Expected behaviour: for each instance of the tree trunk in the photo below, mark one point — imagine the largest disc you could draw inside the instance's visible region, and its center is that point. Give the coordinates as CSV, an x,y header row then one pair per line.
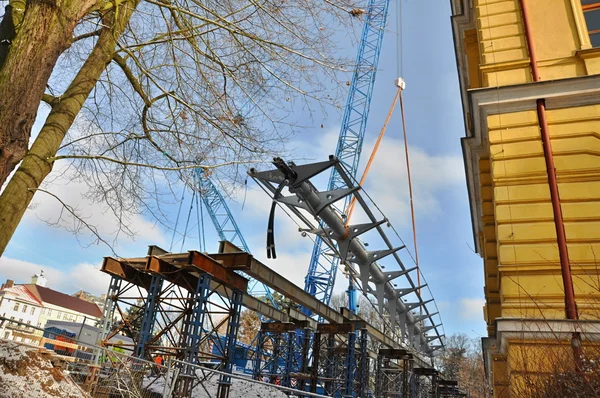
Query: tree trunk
x,y
43,35
35,166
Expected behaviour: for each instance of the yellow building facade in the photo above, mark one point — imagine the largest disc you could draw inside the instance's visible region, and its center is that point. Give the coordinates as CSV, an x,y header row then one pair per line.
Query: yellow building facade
x,y
510,61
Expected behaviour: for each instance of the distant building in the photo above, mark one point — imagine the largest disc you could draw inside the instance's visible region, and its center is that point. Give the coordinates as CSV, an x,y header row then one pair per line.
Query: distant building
x,y
35,304
87,335
89,297
17,303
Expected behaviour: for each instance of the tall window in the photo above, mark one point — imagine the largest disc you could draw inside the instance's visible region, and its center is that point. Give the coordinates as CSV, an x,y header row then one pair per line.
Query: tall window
x,y
32,310
16,307
591,12
24,308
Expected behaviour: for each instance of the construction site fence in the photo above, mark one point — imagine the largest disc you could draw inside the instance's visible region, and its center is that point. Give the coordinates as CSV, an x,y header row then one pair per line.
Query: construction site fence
x,y
104,372
121,375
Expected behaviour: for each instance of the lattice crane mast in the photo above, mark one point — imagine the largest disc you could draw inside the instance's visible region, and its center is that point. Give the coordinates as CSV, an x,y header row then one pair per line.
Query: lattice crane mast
x,y
322,270
227,228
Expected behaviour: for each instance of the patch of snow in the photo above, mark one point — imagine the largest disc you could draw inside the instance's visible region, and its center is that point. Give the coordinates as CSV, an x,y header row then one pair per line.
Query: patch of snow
x,y
208,388
25,373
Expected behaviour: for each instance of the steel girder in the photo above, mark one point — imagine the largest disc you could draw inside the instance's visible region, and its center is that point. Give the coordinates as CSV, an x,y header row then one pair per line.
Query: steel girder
x,y
320,277
413,326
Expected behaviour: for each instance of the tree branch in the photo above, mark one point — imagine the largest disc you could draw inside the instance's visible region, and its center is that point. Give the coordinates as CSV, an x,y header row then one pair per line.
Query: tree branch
x,y
71,210
151,166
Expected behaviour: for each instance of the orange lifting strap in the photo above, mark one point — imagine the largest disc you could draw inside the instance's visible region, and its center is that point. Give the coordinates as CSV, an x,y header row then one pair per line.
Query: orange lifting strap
x,y
352,204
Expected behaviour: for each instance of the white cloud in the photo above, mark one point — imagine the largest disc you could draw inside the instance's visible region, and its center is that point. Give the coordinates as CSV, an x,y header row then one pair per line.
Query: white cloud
x,y
387,182
81,276
47,209
471,309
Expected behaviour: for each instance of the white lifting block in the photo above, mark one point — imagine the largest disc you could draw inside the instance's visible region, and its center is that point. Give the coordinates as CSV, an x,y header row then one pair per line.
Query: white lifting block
x,y
400,83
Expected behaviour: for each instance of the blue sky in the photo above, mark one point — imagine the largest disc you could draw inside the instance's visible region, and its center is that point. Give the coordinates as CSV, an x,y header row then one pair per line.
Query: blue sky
x,y
435,125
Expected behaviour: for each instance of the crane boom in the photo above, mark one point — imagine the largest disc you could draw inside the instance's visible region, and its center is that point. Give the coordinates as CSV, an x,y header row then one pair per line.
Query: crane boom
x,y
322,270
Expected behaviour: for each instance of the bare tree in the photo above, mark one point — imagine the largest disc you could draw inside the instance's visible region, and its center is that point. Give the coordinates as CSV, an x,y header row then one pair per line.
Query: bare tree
x,y
462,360
141,91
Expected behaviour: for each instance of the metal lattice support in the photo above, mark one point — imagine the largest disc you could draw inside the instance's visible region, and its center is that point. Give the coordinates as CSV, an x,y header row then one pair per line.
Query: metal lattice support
x,y
149,316
336,353
304,338
230,340
350,365
191,335
282,356
320,278
426,382
394,368
199,297
108,311
363,364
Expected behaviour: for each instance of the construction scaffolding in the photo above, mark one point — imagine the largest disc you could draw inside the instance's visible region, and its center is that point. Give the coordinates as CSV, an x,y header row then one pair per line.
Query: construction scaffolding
x,y
186,307
181,306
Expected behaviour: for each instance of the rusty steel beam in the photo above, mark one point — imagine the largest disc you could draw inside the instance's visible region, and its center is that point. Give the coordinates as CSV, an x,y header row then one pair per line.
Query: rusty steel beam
x,y
335,327
278,327
125,271
218,271
241,261
138,276
275,281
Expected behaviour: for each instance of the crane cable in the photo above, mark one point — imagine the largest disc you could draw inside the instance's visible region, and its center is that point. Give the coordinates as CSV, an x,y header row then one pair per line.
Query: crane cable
x,y
410,194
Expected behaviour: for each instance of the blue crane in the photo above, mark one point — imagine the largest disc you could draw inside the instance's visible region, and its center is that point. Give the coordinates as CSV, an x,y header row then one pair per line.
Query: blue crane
x,y
322,270
227,228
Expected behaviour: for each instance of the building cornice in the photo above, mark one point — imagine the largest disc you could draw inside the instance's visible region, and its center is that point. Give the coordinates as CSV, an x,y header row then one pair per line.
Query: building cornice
x,y
463,18
482,103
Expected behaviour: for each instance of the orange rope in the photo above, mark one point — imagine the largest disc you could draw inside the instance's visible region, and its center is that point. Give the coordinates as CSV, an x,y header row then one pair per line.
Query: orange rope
x,y
350,208
410,192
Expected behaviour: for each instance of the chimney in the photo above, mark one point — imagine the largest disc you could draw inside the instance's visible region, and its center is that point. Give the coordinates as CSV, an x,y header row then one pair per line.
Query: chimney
x,y
9,283
39,280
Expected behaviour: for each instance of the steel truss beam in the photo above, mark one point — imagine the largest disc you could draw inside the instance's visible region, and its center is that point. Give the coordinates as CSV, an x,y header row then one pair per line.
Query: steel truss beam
x,y
232,257
408,325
